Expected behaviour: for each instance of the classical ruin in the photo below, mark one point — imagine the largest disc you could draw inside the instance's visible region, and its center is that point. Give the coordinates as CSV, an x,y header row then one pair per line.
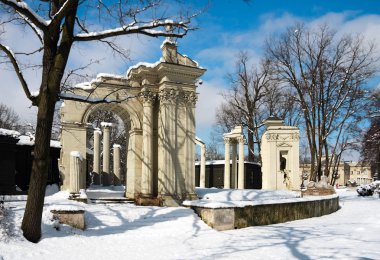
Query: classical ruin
x,y
280,156
156,103
235,178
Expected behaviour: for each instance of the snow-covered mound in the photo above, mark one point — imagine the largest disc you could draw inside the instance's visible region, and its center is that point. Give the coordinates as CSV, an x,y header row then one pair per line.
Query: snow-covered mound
x,y
368,189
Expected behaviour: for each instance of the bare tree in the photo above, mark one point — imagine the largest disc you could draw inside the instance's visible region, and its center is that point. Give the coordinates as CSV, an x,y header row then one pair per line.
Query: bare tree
x,y
255,95
8,118
328,74
243,101
58,24
371,140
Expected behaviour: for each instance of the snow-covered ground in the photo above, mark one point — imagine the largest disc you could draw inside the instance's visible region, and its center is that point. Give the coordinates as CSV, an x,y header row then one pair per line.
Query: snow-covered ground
x,y
123,231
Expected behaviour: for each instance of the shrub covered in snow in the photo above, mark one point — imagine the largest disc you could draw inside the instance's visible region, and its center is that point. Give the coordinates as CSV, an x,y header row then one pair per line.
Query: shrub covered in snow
x,y
366,190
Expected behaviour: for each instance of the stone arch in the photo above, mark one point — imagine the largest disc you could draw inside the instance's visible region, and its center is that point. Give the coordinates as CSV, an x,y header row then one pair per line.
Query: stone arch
x,y
159,102
125,111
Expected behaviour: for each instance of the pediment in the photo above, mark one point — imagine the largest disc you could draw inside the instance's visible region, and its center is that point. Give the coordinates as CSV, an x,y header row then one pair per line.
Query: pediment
x,y
284,145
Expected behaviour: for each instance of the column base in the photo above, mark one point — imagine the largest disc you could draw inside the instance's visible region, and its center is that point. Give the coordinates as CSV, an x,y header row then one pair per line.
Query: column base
x,y
172,200
147,200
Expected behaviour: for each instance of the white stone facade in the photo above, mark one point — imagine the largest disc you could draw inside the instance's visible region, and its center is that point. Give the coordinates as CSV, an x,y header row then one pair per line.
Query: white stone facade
x,y
280,156
157,105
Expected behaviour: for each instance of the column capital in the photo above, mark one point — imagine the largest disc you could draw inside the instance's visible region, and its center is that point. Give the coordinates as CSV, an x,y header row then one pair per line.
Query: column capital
x,y
148,96
227,140
168,95
241,140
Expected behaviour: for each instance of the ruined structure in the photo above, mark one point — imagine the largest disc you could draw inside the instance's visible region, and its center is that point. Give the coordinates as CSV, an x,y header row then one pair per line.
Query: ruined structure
x,y
280,156
156,102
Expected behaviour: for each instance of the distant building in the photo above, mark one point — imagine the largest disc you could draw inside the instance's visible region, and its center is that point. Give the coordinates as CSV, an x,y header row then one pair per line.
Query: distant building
x,y
348,173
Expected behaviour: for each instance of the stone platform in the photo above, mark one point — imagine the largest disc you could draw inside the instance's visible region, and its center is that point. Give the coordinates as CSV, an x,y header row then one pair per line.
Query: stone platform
x,y
229,217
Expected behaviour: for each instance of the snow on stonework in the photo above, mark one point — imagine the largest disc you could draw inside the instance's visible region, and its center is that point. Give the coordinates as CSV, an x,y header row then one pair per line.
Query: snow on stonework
x,y
145,64
106,124
230,198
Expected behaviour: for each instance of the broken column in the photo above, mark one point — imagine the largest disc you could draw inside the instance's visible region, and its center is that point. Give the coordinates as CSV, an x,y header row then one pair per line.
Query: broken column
x,y
106,178
116,165
76,172
96,167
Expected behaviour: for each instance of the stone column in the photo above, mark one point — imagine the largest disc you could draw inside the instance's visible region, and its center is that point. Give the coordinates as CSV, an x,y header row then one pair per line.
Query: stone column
x,y
116,164
147,165
202,176
75,171
96,167
234,165
106,178
227,176
241,164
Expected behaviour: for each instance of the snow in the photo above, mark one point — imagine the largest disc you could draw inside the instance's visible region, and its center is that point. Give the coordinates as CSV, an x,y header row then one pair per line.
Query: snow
x,y
29,140
123,231
145,64
25,6
230,198
6,132
76,154
35,93
106,124
167,40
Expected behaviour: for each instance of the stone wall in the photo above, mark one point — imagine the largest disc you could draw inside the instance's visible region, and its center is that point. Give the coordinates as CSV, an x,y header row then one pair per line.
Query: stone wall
x,y
266,214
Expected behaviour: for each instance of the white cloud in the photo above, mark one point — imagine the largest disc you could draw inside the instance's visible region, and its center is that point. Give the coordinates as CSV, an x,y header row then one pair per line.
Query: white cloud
x,y
209,99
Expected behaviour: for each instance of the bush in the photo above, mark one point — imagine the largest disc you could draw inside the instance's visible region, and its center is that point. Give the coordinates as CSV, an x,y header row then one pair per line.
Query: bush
x,y
366,190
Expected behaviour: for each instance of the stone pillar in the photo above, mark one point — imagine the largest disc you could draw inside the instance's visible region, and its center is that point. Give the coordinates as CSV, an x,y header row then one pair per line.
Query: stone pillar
x,y
106,178
116,165
234,165
96,167
227,176
75,171
147,165
202,176
134,163
241,164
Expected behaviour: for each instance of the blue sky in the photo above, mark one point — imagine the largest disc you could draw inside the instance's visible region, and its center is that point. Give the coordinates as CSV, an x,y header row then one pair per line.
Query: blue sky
x,y
225,28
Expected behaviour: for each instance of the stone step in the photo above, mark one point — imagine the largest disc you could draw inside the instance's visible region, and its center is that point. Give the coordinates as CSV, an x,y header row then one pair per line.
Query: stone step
x,y
96,192
107,200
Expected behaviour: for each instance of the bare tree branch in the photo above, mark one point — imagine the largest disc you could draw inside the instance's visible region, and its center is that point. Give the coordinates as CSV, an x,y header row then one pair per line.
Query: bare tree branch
x,y
23,8
146,29
16,67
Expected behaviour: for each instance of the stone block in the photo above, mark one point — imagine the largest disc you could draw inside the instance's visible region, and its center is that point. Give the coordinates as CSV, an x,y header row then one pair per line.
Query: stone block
x,y
74,218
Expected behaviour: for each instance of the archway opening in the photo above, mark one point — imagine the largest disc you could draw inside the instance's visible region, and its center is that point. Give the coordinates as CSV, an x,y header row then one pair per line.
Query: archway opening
x,y
118,122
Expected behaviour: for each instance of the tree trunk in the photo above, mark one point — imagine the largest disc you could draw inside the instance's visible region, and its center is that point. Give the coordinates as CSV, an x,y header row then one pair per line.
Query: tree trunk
x,y
31,224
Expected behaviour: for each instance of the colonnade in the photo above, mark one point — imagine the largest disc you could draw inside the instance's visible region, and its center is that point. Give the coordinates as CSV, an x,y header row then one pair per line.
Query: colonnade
x,y
234,176
104,176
